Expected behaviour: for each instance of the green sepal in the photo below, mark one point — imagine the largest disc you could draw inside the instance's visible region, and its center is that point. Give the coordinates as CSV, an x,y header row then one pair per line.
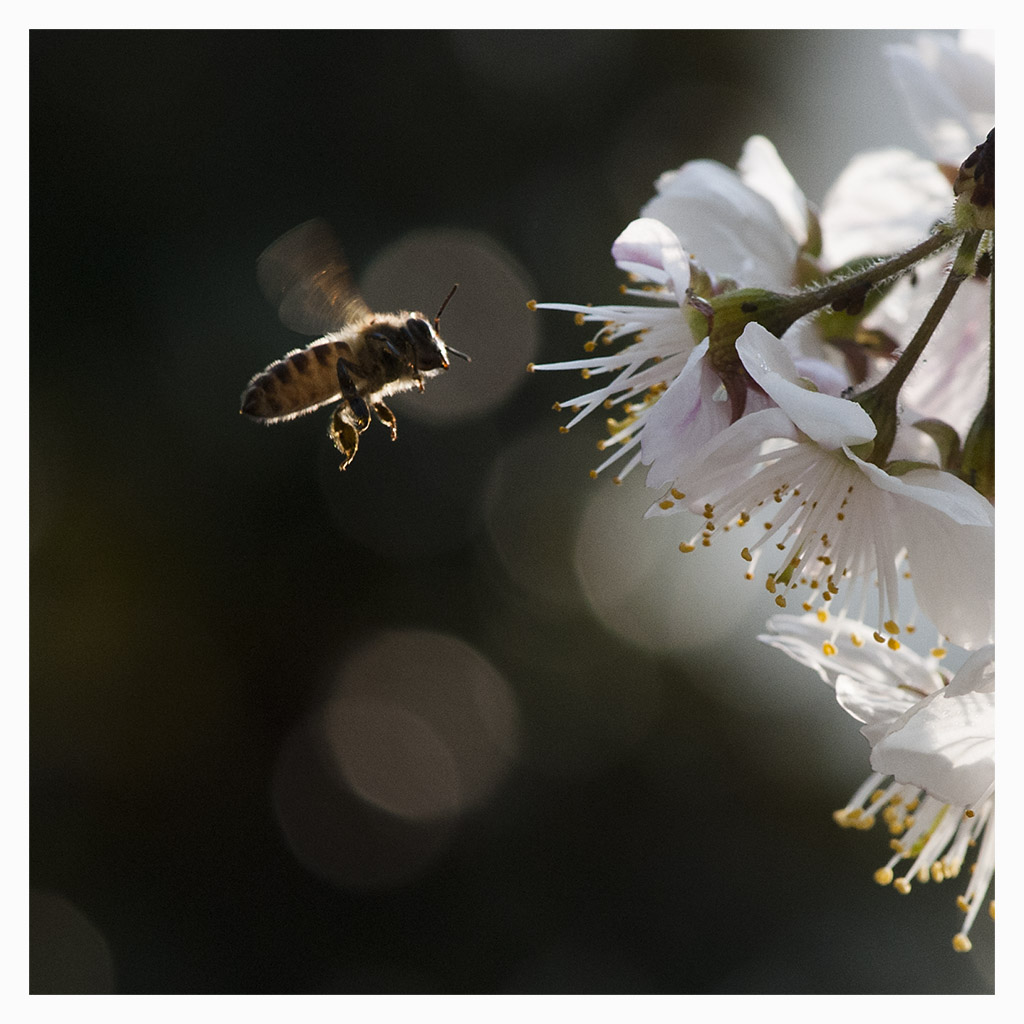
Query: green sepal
x,y
843,322
946,439
900,466
978,461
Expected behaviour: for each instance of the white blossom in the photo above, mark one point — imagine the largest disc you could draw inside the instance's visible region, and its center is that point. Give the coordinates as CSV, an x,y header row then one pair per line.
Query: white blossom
x,y
823,515
932,750
949,88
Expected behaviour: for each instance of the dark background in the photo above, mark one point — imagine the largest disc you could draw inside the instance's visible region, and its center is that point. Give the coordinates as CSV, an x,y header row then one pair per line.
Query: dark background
x,y
196,581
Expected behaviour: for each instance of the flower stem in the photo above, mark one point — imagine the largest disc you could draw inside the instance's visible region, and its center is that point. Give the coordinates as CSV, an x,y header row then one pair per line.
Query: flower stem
x,y
880,401
978,463
848,290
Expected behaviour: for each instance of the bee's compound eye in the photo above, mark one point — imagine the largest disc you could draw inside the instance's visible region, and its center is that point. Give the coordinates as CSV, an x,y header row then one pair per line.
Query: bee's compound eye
x,y
429,355
420,330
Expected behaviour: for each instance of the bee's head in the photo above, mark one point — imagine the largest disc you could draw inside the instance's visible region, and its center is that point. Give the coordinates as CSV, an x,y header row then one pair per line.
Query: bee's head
x,y
430,351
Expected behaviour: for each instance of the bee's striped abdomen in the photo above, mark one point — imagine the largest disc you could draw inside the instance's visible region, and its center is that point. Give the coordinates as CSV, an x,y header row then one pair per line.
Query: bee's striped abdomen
x,y
302,381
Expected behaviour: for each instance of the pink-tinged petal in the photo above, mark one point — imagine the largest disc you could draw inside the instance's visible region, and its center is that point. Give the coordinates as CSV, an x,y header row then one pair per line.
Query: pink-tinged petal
x,y
647,243
725,459
761,168
828,379
829,421
961,340
683,419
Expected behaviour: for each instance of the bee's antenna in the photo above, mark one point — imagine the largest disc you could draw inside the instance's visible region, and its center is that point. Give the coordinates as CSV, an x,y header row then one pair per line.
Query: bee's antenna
x,y
443,304
437,320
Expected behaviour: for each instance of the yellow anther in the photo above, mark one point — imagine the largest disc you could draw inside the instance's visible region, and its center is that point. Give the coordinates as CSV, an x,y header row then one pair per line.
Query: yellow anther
x,y
678,495
780,601
746,555
878,636
892,627
585,373
579,319
616,479
563,429
589,346
856,640
557,407
938,652
961,943
593,474
822,615
532,304
893,644
828,649
883,876
685,548
902,885
709,511
530,367
666,504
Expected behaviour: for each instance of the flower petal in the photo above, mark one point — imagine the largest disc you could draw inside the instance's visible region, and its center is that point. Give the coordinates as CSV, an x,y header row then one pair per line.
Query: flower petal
x,y
761,168
947,528
647,243
831,422
945,745
732,230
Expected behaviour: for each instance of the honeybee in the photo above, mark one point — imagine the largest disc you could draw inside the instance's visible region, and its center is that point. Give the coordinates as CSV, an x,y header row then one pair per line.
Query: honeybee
x,y
359,357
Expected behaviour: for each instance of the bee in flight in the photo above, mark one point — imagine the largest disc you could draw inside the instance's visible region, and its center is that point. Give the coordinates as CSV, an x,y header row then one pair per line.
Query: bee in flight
x,y
359,358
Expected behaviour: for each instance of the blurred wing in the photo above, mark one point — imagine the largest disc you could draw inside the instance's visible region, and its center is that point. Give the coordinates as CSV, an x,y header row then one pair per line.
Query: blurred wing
x,y
304,276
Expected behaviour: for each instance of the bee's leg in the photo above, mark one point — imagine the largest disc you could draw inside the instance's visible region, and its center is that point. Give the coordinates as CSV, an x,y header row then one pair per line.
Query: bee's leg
x,y
387,417
350,393
344,434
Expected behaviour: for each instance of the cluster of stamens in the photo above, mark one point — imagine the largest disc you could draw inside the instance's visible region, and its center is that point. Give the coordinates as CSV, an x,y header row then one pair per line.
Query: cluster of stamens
x,y
934,836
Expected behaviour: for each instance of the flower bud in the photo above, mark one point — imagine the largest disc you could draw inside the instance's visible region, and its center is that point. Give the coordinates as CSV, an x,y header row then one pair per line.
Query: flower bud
x,y
975,188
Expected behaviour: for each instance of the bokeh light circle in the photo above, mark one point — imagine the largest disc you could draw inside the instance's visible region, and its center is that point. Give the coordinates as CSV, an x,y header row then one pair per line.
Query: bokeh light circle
x,y
421,724
417,730
487,317
646,591
68,954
